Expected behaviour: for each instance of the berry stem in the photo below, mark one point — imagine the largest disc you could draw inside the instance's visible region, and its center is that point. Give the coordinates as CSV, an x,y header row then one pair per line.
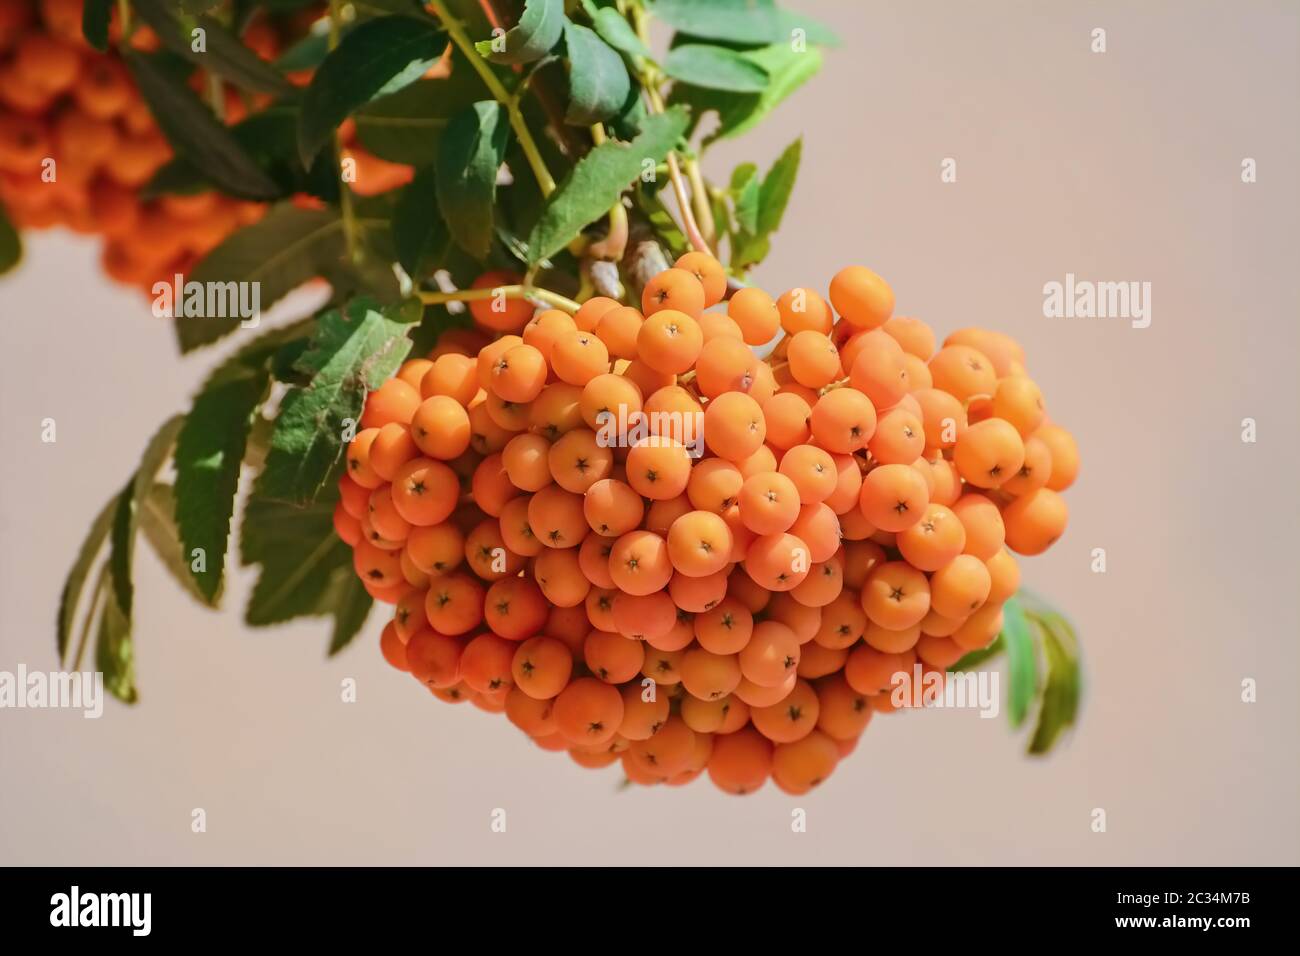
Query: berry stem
x,y
345,192
456,30
553,299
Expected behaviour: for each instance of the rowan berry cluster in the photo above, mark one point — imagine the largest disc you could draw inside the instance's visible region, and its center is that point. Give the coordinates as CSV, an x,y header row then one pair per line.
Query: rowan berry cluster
x,y
646,545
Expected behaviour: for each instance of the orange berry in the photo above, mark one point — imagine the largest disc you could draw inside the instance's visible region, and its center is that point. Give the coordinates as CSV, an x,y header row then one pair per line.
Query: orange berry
x,y
639,563
394,401
425,491
558,572
556,517
741,761
453,375
725,628
514,608
619,328
933,541
440,426
802,309
913,335
792,718
610,398
588,712
814,360
771,655
435,658
659,468
863,298
959,587
590,312
844,421
669,341
985,530
545,329
714,485
526,460
1004,576
541,666
578,460
1065,456
613,658
709,272
725,365
788,418
391,646
709,676
778,562
989,453
499,313
612,508
358,459
673,289
756,314
963,372
454,604
896,595
1034,521
893,497
699,544
698,594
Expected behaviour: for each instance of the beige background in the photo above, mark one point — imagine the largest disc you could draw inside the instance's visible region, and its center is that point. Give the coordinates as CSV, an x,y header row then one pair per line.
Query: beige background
x,y
1122,166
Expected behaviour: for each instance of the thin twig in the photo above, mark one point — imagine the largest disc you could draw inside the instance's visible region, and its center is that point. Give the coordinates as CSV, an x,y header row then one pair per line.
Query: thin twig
x,y
553,299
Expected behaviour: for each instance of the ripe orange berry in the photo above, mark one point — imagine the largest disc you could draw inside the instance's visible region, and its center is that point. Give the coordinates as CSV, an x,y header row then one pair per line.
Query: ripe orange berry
x,y
425,491
639,563
802,309
699,544
540,666
440,427
979,630
435,550
844,712
1002,349
985,530
870,672
545,329
618,328
519,374
863,298
1065,456
741,761
896,595
485,663
1019,401
788,419
893,497
844,421
756,314
989,453
669,341
514,608
394,401
963,372
778,562
960,587
771,655
612,508
876,368
358,459
556,517
578,357
613,658
1034,521
588,712
609,398
725,365
534,717
435,658
497,312
696,595
814,359
725,628
813,472
590,312
659,468
391,646
673,289
913,335
454,604
709,272
453,375
933,541
526,460
792,718
644,714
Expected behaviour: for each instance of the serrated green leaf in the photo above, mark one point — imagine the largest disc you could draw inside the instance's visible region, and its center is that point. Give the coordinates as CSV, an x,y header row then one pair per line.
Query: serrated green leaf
x,y
279,252
598,80
76,579
210,449
539,29
94,22
599,179
196,134
777,186
351,608
355,350
158,525
407,126
715,68
376,58
419,233
222,52
11,245
473,148
745,22
114,651
1022,666
301,559
126,518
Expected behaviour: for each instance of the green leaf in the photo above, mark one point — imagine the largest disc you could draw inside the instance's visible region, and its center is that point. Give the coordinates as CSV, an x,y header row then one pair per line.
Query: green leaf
x,y
114,651
738,113
1022,668
300,555
355,350
715,68
351,608
538,30
407,127
311,50
94,22
76,580
11,246
745,187
617,32
738,21
210,449
1064,682
418,230
279,252
196,134
222,52
126,517
599,179
377,57
598,80
777,186
473,148
270,138
159,528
